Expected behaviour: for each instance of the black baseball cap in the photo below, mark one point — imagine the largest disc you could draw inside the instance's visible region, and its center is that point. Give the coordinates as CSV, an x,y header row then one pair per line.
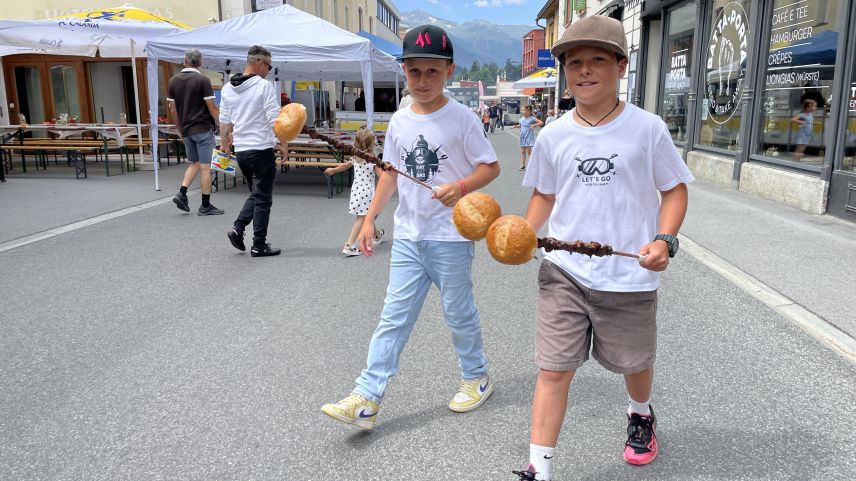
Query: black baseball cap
x,y
427,41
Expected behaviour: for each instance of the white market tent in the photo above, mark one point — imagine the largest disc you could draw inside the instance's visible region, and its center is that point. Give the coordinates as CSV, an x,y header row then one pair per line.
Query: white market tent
x,y
115,32
302,47
541,79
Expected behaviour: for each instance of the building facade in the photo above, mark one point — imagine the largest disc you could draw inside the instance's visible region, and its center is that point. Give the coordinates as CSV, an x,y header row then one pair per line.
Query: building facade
x,y
759,95
532,42
100,90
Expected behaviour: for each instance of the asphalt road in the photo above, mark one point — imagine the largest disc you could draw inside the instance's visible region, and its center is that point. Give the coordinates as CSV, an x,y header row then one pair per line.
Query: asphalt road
x,y
146,348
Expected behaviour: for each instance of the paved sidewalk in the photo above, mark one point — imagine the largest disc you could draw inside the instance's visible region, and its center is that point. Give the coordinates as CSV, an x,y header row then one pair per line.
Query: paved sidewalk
x,y
808,258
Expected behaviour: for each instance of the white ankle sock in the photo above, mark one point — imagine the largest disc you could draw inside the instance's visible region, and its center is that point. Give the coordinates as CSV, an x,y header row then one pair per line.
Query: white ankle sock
x,y
542,458
642,408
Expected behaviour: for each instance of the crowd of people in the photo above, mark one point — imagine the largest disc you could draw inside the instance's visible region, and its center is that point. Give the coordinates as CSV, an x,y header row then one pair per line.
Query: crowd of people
x,y
588,161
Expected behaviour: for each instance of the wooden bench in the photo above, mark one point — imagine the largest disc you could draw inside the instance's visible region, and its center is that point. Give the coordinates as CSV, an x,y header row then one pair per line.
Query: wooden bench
x,y
41,152
315,156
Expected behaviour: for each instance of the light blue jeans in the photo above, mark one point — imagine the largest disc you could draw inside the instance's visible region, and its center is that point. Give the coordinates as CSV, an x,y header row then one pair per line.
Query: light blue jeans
x,y
414,266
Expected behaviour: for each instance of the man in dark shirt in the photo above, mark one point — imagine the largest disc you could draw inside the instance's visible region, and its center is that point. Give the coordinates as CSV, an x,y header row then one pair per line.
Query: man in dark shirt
x,y
494,114
360,103
192,108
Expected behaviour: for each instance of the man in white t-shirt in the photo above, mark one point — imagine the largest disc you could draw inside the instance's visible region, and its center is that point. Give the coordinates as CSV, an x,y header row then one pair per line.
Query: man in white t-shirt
x,y
598,174
439,142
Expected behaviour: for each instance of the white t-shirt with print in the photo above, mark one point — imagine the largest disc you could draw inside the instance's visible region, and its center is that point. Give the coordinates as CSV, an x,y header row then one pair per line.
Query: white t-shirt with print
x,y
438,148
606,181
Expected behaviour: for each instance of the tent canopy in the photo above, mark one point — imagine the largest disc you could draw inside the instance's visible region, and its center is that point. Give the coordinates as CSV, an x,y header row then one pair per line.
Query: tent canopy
x,y
382,44
106,31
302,46
541,79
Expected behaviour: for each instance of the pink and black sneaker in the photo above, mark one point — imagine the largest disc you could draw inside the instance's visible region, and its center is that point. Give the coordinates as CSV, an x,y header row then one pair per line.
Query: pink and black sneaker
x,y
527,474
641,445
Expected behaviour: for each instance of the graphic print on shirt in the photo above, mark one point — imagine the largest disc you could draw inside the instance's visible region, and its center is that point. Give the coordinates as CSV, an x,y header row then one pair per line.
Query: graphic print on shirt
x,y
596,171
422,162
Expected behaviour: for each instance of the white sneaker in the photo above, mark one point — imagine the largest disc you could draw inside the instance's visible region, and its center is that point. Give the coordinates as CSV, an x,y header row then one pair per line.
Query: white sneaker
x,y
351,251
355,410
378,238
471,394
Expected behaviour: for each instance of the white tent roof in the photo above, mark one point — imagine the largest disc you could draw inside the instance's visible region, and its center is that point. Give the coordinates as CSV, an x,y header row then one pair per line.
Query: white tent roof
x,y
110,35
545,78
303,47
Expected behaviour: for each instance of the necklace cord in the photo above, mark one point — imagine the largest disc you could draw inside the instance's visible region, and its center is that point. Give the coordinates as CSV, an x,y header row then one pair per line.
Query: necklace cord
x,y
617,102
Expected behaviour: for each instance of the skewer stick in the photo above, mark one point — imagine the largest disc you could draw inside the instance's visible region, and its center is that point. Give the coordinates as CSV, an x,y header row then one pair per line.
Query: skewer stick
x,y
349,149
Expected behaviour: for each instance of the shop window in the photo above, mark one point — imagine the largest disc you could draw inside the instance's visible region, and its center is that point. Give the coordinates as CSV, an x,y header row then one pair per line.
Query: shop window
x,y
631,77
677,79
848,162
64,91
724,65
800,65
28,87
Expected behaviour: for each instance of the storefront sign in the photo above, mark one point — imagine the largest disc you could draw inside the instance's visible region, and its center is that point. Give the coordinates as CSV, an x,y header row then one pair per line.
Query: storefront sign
x,y
853,97
799,51
266,4
677,77
545,59
726,61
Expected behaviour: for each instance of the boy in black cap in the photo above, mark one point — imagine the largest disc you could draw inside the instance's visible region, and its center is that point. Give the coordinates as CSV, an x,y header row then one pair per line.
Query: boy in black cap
x,y
438,141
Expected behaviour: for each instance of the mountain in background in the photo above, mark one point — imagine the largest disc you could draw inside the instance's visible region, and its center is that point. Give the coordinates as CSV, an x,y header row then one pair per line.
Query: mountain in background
x,y
480,40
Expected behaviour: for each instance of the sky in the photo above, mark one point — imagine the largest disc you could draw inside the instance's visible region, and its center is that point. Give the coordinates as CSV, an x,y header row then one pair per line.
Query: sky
x,y
498,11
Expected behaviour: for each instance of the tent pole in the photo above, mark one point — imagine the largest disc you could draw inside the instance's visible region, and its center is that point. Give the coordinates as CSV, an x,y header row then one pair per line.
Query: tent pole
x,y
137,99
397,94
152,82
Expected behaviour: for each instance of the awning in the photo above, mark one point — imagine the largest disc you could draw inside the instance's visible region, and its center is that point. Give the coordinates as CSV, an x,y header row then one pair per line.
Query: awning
x,y
382,44
545,78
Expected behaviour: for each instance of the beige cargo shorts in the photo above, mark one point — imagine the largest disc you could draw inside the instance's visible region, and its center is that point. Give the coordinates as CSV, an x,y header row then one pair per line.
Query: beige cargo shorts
x,y
619,328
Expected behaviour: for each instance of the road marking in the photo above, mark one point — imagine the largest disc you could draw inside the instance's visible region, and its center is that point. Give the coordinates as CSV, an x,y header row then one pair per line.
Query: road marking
x,y
40,236
818,328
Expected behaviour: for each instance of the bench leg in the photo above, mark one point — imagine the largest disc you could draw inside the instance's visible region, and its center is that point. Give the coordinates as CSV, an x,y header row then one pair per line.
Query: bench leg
x,y
78,160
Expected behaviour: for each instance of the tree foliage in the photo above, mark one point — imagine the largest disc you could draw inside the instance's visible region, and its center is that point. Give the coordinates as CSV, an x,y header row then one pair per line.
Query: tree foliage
x,y
488,73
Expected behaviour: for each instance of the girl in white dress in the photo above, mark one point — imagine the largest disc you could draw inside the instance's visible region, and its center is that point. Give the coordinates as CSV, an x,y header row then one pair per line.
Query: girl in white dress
x,y
362,190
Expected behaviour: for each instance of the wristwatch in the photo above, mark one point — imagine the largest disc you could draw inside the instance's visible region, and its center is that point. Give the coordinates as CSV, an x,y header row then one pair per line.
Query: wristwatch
x,y
671,240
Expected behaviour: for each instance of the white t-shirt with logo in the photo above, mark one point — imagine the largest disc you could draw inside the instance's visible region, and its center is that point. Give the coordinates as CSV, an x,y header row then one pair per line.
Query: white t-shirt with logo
x,y
438,148
606,181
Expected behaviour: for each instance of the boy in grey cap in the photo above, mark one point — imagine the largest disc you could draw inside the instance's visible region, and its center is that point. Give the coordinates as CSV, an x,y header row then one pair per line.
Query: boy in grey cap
x,y
598,174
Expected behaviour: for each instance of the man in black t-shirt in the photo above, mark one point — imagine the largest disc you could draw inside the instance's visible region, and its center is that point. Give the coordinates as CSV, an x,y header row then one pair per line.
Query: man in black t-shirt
x,y
192,108
493,112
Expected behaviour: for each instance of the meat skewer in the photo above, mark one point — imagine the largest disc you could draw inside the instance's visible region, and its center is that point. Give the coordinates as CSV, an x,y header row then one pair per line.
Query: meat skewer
x,y
349,149
580,247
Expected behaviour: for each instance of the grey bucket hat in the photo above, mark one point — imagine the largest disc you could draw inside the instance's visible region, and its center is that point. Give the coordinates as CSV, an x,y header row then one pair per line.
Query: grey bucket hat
x,y
595,31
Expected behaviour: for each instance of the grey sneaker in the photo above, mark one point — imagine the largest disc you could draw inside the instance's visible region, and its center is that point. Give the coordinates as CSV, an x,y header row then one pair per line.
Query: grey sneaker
x,y
181,201
210,210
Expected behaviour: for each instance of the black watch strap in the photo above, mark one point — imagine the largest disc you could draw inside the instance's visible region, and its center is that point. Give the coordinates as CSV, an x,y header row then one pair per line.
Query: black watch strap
x,y
671,240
